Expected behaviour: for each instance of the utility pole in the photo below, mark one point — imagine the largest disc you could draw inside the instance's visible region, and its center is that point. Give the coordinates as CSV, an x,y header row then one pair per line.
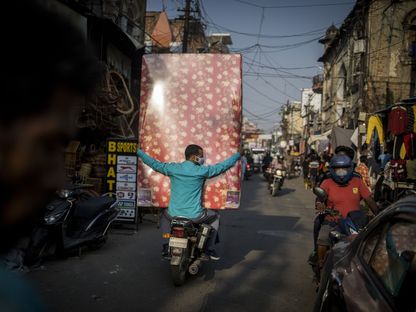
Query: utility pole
x,y
186,27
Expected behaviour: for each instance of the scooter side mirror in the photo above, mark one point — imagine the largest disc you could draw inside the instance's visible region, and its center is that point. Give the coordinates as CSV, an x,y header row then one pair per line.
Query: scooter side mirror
x,y
336,236
320,193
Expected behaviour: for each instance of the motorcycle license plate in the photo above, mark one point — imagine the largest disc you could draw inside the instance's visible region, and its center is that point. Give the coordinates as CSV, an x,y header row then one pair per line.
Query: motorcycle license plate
x,y
178,242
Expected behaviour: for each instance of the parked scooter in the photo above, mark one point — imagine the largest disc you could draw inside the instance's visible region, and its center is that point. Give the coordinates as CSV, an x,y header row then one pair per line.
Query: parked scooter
x,y
187,246
75,219
278,177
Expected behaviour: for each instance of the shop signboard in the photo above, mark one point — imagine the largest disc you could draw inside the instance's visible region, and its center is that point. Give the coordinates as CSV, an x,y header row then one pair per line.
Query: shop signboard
x,y
122,176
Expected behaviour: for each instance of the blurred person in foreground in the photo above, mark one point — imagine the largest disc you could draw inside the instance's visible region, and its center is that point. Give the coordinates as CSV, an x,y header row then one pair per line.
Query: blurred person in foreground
x,y
47,71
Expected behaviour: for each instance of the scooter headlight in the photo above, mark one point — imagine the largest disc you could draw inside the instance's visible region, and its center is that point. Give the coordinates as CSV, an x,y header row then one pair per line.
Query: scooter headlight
x,y
278,172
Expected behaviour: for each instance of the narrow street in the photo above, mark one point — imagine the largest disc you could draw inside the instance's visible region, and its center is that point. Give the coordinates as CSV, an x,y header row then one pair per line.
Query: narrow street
x,y
264,248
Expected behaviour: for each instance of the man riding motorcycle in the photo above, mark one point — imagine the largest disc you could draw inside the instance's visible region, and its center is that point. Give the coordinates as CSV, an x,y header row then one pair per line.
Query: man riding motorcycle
x,y
187,180
345,190
267,160
339,151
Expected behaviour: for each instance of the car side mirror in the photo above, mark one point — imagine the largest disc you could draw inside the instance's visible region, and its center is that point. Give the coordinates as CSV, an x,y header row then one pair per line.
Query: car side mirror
x,y
320,193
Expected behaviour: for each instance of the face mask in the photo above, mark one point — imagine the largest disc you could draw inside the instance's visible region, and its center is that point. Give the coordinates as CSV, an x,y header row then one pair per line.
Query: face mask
x,y
341,172
200,160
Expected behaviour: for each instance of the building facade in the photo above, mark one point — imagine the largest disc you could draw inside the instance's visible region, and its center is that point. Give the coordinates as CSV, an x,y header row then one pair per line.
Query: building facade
x,y
369,61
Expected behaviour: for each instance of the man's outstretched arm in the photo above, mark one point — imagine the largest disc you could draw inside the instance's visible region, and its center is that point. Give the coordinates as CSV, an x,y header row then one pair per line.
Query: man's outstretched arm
x,y
158,166
212,171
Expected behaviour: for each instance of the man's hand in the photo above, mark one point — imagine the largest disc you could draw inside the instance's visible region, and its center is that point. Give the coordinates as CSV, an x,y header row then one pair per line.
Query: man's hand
x,y
320,206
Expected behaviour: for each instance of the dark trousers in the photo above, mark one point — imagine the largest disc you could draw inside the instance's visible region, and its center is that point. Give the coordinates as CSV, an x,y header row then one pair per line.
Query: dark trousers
x,y
319,219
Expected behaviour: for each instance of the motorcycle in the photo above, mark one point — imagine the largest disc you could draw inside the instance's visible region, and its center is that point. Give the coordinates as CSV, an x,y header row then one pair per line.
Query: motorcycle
x,y
256,167
313,173
267,173
75,219
278,178
298,170
346,229
249,172
387,191
187,246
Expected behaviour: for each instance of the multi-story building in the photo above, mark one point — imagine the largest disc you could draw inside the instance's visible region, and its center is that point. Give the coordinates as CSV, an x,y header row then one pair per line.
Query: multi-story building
x,y
310,111
369,61
166,36
115,31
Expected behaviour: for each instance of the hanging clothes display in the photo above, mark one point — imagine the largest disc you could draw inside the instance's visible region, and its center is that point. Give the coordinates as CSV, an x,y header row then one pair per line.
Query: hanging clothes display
x,y
375,123
394,130
397,123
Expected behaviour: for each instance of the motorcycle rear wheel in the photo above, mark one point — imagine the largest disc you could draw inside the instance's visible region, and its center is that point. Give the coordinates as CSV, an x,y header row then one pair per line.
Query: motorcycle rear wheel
x,y
178,274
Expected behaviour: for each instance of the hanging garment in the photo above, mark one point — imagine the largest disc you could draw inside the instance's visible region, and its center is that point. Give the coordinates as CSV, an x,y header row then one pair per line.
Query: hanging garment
x,y
398,120
414,115
375,123
410,119
399,149
399,170
409,143
375,145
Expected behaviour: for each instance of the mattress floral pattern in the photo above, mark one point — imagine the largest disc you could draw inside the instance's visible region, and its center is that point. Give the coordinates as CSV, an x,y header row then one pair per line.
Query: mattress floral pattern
x,y
191,99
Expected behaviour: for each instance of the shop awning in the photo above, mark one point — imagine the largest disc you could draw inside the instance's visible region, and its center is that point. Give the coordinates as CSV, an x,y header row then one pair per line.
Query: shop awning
x,y
319,137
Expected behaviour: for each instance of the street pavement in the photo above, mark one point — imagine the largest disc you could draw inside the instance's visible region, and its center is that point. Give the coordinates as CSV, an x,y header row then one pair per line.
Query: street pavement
x,y
264,249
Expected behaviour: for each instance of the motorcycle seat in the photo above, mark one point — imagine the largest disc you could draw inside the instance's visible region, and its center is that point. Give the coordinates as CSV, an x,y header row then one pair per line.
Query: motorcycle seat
x,y
208,219
92,207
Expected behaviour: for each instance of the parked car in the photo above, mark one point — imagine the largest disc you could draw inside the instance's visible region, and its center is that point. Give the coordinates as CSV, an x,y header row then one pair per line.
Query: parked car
x,y
377,270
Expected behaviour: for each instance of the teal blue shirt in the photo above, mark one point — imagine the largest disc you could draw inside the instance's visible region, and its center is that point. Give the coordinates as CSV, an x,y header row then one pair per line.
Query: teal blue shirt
x,y
186,182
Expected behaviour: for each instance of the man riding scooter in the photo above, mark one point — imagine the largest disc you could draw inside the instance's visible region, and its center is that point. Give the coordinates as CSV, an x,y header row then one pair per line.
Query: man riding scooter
x,y
345,190
187,180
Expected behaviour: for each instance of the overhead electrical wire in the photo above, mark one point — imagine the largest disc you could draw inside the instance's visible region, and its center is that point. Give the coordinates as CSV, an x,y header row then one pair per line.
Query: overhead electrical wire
x,y
262,94
256,116
277,48
294,5
263,36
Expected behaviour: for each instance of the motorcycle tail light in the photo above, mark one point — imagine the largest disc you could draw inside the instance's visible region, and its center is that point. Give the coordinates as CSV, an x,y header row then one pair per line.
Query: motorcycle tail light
x,y
248,166
178,232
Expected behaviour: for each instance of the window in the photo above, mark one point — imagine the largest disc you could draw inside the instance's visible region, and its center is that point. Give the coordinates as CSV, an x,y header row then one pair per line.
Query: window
x,y
391,255
342,83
